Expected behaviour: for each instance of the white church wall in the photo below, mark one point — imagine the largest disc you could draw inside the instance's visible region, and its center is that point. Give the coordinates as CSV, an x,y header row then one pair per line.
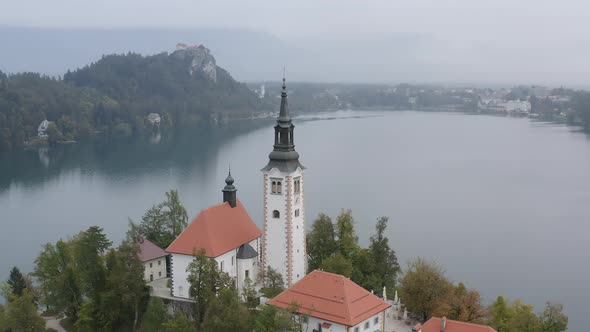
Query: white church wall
x,y
231,266
179,263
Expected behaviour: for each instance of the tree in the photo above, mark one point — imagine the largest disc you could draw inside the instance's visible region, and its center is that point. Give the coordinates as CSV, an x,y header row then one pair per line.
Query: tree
x,y
162,223
226,314
383,257
155,315
17,282
3,319
500,314
53,133
321,242
90,245
272,282
272,319
249,294
55,271
125,293
425,289
465,305
21,314
205,282
180,323
347,239
523,318
553,319
337,264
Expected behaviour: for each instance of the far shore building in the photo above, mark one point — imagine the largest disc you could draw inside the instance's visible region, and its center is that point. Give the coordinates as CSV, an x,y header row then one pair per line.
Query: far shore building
x,y
329,302
226,233
42,129
436,324
153,259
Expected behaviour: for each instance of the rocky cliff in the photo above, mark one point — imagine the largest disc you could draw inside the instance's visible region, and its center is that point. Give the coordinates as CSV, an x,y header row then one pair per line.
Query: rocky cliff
x,y
200,58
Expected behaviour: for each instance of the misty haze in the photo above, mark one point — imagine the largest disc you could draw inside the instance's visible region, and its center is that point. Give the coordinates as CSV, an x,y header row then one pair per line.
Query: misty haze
x,y
408,166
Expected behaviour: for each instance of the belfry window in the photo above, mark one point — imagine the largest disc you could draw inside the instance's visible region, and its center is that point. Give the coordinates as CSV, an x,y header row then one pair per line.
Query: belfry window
x,y
276,214
276,187
297,185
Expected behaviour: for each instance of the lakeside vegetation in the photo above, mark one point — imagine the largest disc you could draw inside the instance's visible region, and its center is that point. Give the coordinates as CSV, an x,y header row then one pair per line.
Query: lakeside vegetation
x,y
95,286
114,95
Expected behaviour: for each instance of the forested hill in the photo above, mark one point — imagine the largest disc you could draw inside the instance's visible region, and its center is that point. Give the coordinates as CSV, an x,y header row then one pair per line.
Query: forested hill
x,y
114,95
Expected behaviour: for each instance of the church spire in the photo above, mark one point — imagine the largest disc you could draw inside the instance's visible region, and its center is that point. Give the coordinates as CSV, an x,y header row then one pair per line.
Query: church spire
x,y
284,111
230,191
283,156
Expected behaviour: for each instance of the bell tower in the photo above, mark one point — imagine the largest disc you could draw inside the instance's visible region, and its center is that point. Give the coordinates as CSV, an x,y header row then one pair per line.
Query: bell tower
x,y
283,238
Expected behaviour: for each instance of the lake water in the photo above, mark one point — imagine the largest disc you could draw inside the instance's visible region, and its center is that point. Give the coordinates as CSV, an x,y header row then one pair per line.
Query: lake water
x,y
502,203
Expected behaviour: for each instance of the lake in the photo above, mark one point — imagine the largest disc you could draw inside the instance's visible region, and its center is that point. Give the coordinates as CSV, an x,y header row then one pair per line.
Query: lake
x,y
502,203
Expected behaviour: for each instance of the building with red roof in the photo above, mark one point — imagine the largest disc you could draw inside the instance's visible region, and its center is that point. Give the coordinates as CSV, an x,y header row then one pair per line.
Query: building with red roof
x,y
330,302
436,324
224,232
153,259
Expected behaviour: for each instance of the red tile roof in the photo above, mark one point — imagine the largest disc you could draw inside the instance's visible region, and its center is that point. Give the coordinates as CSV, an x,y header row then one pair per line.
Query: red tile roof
x,y
148,251
331,297
433,325
217,229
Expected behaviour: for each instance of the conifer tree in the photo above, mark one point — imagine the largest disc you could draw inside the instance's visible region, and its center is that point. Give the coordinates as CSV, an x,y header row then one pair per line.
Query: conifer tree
x,y
17,282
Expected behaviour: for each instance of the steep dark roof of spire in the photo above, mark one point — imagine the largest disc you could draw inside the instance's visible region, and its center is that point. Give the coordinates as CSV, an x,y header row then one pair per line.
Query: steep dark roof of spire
x,y
284,112
284,157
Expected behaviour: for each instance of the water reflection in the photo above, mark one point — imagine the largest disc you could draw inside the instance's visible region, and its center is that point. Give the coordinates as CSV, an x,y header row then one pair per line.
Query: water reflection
x,y
175,149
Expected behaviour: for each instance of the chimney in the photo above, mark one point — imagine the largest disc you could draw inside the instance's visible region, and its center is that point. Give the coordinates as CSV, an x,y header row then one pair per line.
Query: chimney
x,y
229,191
443,324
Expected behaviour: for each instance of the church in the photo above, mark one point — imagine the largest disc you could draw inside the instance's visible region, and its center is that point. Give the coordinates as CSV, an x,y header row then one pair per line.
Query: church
x,y
227,234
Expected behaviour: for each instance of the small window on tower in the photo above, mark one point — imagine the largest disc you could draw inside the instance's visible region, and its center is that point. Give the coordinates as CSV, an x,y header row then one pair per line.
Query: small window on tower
x,y
297,213
279,189
276,214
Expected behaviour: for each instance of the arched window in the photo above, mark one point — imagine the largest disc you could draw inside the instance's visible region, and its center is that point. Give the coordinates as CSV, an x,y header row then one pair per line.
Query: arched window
x,y
276,214
276,187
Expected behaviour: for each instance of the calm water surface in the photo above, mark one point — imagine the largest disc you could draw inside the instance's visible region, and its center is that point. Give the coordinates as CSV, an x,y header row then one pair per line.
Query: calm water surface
x,y
501,203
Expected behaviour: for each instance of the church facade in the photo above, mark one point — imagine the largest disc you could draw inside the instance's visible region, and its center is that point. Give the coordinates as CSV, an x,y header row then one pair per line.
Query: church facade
x,y
223,232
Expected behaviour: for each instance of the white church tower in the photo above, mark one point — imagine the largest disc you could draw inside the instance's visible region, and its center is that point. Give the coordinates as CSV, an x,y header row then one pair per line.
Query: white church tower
x,y
283,238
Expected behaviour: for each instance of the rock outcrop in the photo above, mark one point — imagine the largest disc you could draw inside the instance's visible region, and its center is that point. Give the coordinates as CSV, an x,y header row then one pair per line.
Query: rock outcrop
x,y
201,60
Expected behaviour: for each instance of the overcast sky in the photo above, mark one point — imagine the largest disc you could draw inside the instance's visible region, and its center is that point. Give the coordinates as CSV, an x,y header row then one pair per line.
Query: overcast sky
x,y
524,41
